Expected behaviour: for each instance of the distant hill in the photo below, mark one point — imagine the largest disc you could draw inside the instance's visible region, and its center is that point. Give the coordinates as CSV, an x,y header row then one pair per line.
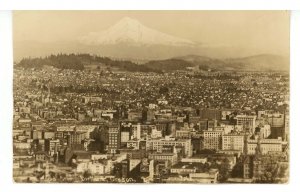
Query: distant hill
x,y
264,62
205,63
86,61
83,61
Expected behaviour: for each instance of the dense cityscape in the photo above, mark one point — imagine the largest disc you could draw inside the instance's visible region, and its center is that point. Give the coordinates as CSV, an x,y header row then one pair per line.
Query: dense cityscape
x,y
100,125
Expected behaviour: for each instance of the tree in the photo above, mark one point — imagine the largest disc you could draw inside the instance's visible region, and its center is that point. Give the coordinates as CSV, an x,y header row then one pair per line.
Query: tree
x,y
282,171
52,174
39,175
100,138
224,170
87,177
163,90
237,170
28,180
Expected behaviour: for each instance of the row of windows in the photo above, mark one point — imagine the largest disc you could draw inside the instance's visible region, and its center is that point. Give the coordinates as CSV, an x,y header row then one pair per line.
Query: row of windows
x,y
217,134
162,157
167,143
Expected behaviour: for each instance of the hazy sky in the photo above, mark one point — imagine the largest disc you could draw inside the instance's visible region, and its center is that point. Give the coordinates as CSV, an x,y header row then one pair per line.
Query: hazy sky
x,y
266,31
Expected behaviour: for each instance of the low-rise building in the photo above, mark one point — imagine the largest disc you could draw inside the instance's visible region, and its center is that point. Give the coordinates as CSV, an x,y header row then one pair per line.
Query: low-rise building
x,y
171,158
158,144
267,145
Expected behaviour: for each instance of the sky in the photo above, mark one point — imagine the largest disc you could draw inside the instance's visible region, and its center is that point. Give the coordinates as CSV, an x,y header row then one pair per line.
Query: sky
x,y
265,31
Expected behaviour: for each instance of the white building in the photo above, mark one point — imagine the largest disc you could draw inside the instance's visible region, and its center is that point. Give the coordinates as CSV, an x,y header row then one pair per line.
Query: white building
x,y
95,168
267,145
169,157
133,144
125,136
157,144
155,133
208,177
194,160
233,142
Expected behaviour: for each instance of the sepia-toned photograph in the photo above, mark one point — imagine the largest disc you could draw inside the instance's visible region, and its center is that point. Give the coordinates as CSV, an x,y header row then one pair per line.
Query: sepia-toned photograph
x,y
196,97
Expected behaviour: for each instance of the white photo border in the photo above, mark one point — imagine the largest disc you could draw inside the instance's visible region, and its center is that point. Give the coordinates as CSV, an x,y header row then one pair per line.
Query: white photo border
x,y
6,110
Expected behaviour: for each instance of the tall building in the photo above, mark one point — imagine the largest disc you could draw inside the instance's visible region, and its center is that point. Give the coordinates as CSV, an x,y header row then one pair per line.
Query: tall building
x,y
247,122
77,137
212,139
207,113
136,131
114,138
205,124
276,119
52,146
233,142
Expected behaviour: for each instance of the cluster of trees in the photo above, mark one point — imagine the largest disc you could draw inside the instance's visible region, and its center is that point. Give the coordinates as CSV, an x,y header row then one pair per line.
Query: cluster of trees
x,y
224,169
125,65
169,65
61,61
57,177
78,61
100,136
273,173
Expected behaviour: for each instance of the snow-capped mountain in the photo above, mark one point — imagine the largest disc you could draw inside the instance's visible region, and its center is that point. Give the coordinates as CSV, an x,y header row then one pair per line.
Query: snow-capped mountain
x,y
129,39
131,31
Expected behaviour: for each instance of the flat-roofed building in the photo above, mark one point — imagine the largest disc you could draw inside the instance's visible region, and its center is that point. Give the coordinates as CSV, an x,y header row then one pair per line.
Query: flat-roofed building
x,y
158,144
266,145
246,121
233,142
114,139
212,139
171,158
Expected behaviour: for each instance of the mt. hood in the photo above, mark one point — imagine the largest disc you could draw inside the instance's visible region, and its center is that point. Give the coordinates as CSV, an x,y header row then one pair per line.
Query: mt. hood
x,y
131,31
130,40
